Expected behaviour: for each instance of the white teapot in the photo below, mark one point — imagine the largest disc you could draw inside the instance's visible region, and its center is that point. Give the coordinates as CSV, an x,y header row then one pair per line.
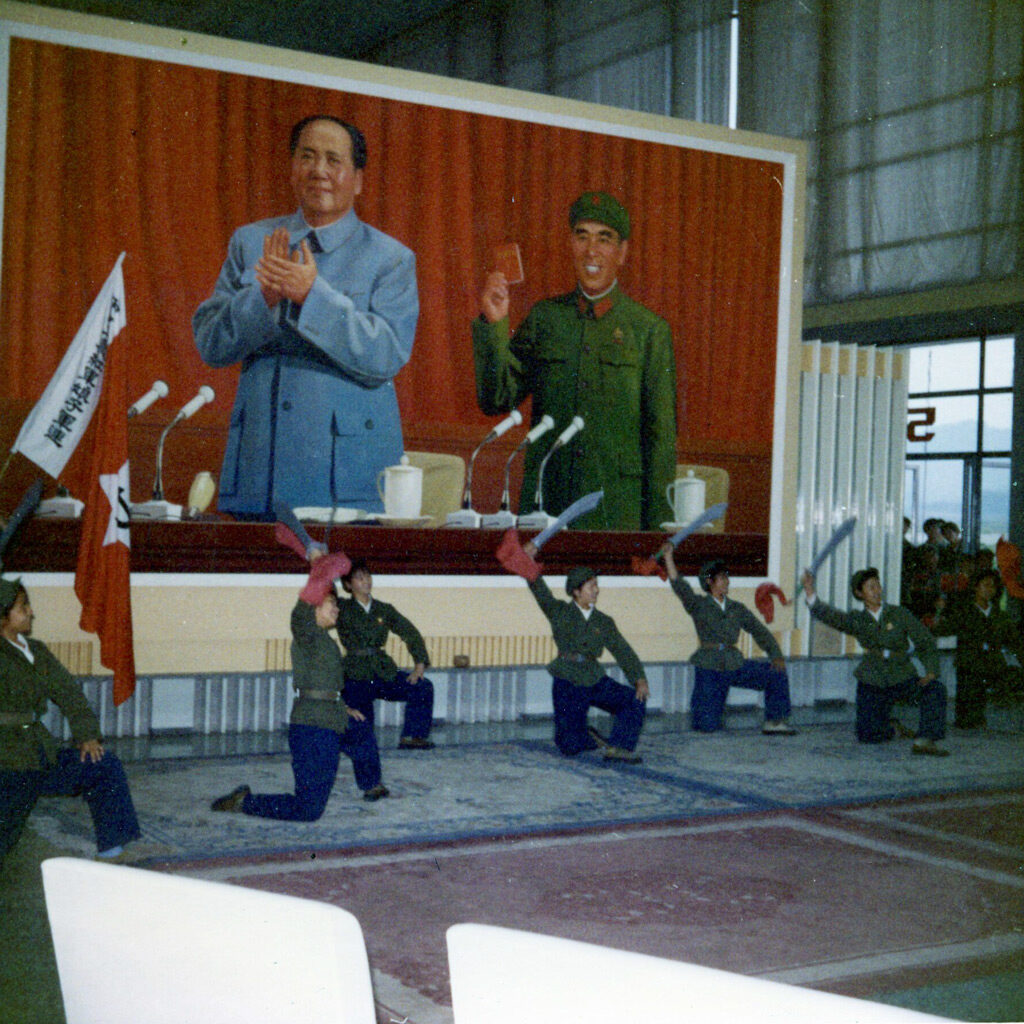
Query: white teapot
x,y
685,495
402,492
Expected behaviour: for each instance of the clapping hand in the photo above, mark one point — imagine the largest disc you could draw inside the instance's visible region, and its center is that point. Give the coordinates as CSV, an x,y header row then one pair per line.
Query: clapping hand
x,y
284,275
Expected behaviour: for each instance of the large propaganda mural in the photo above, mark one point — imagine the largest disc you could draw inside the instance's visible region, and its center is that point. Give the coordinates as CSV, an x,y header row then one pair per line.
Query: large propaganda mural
x,y
130,148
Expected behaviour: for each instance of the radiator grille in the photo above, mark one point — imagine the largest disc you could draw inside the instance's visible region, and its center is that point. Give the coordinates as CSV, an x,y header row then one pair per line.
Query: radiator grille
x,y
482,651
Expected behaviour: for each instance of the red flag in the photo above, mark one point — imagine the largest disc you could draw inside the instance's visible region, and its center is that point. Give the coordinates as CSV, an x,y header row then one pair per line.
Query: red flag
x,y
102,575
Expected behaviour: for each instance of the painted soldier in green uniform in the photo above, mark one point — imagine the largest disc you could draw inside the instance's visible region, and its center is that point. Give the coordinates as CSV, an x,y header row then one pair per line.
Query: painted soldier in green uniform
x,y
596,353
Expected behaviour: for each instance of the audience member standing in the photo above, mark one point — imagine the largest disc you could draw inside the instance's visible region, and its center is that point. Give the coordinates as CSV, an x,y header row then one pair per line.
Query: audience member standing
x,y
987,644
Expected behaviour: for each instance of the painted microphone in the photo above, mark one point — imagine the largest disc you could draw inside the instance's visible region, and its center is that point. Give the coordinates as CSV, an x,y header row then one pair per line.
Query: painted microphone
x,y
157,391
466,516
539,519
504,518
513,419
205,396
189,409
575,426
546,423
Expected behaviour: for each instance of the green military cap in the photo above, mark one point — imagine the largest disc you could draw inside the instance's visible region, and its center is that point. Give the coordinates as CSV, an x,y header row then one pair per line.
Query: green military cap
x,y
576,577
603,208
9,594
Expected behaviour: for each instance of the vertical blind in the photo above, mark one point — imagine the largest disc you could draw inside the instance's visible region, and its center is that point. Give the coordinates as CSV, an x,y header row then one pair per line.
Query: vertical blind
x,y
853,407
911,109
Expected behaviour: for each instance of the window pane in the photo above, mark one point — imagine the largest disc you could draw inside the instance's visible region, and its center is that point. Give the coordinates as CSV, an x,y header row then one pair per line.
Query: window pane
x,y
953,366
999,362
942,425
995,501
937,492
996,423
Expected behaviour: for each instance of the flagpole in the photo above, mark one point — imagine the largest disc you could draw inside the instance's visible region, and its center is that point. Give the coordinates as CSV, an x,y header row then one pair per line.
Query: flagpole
x,y
7,462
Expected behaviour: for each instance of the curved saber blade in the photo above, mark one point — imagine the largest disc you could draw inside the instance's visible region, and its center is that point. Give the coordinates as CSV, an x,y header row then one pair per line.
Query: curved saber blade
x,y
840,534
25,508
574,511
707,516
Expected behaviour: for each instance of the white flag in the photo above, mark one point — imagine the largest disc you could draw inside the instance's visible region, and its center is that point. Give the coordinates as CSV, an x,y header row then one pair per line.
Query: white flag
x,y
54,427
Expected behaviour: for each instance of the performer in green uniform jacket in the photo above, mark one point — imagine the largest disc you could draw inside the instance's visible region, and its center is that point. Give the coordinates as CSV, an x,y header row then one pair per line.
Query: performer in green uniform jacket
x,y
598,354
718,663
889,634
987,644
364,624
579,682
322,725
32,762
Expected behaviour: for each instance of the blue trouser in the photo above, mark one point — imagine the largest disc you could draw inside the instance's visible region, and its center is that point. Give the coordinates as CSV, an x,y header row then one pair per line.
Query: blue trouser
x,y
419,700
572,702
875,704
711,688
316,753
102,783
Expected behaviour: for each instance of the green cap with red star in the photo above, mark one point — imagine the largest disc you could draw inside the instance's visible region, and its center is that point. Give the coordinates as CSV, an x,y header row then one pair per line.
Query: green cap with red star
x,y
604,209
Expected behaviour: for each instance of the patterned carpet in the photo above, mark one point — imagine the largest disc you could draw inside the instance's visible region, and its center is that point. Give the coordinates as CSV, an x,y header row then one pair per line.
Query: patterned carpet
x,y
811,859
523,787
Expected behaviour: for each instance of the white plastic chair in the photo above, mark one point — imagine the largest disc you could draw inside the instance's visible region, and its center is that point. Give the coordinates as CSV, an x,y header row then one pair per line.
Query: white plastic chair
x,y
503,976
138,947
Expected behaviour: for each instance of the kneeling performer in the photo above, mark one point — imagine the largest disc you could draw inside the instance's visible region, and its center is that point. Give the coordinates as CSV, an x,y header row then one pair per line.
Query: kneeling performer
x,y
322,727
364,624
717,661
581,634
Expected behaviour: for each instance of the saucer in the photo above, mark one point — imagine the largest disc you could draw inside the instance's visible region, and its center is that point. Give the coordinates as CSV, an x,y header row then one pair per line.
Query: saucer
x,y
322,514
387,520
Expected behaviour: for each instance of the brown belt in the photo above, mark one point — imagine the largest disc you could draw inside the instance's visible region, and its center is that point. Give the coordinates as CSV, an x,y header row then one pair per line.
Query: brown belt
x,y
331,695
717,647
362,651
17,718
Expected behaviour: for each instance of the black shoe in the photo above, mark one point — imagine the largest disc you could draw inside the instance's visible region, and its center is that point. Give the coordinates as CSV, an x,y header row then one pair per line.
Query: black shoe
x,y
778,729
930,747
599,741
414,743
623,756
378,791
233,801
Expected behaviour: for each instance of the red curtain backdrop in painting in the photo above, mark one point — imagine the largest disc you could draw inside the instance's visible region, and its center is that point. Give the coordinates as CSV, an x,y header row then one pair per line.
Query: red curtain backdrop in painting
x,y
108,153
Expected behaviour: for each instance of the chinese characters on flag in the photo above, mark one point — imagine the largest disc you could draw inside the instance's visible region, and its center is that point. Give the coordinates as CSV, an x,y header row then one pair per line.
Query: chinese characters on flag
x,y
90,387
